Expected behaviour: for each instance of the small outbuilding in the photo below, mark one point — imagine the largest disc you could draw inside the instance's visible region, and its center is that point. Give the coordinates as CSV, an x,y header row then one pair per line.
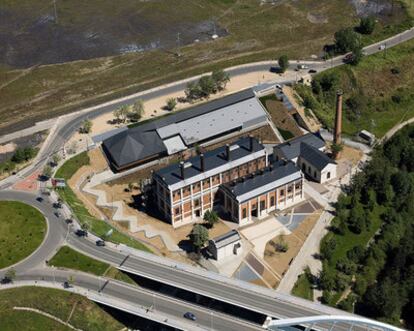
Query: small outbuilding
x,y
225,245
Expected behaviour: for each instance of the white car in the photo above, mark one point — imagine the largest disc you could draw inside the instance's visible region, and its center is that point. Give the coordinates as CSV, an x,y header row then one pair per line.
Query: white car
x,y
382,47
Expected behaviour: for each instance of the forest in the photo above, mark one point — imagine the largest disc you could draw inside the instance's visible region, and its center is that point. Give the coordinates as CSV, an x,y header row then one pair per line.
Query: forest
x,y
368,255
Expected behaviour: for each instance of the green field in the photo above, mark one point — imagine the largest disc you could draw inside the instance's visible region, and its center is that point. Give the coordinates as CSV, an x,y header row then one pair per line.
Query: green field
x,y
255,32
377,92
68,258
22,229
98,227
303,288
86,315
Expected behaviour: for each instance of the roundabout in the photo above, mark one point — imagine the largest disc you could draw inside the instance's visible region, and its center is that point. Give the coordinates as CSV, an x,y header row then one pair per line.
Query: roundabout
x,y
23,228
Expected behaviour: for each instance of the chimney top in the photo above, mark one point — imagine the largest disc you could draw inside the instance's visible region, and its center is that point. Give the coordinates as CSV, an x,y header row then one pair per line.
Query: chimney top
x,y
339,92
202,163
228,154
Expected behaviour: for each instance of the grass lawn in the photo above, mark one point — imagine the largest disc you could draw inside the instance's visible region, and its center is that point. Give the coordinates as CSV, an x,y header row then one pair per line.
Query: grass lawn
x,y
382,87
86,315
68,169
68,258
98,227
255,32
22,229
303,288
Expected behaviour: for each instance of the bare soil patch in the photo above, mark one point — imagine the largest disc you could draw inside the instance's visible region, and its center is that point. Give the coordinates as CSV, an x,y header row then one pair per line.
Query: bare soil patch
x,y
280,261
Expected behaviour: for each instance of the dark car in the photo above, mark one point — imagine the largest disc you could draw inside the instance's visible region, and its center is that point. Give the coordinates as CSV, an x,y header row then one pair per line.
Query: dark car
x,y
66,285
190,316
39,199
6,280
348,58
57,214
81,233
312,71
57,205
69,221
100,243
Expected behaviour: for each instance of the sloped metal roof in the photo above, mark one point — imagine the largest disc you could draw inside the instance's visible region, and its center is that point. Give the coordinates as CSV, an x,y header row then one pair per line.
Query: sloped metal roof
x,y
314,156
263,181
291,148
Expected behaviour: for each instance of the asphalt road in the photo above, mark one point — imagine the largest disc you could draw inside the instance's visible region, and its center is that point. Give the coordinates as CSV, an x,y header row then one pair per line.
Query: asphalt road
x,y
118,293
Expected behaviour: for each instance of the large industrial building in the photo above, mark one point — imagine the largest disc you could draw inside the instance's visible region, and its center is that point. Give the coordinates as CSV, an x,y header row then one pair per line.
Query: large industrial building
x,y
236,113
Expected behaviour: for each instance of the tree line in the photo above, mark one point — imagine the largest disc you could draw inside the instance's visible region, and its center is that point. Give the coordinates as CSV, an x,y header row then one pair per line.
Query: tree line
x,y
379,270
21,155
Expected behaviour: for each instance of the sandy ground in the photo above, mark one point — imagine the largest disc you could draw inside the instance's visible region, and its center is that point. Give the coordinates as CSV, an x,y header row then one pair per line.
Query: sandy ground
x,y
97,164
154,107
7,148
121,192
280,261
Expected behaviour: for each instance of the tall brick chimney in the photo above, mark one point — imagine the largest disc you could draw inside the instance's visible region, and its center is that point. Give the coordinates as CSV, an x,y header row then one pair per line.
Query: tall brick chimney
x,y
338,118
251,142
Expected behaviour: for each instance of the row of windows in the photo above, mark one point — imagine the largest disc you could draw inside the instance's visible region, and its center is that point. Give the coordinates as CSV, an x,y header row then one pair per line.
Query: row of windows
x,y
227,176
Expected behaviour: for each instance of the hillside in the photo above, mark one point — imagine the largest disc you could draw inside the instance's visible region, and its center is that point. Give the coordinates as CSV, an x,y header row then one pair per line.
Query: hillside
x,y
109,38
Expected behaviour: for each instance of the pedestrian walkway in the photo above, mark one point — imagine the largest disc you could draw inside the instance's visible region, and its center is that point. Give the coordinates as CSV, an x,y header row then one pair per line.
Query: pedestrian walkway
x,y
28,184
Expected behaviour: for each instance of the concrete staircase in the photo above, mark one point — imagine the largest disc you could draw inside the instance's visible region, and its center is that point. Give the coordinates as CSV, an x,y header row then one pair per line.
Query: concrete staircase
x,y
149,231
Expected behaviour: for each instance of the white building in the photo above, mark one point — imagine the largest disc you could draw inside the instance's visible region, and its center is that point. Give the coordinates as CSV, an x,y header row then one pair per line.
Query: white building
x,y
308,152
226,245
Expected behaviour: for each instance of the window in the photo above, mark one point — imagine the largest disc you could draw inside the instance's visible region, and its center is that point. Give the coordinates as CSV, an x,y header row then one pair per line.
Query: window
x,y
262,205
290,189
309,170
176,211
314,174
272,201
197,203
282,193
244,213
328,175
303,167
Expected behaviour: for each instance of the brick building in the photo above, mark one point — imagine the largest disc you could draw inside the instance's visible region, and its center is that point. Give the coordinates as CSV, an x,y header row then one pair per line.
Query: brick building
x,y
186,190
278,186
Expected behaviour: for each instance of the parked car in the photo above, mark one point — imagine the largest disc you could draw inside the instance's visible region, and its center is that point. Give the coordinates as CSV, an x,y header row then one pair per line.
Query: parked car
x,y
278,86
81,233
57,214
381,47
190,316
68,221
57,205
39,199
303,66
348,58
100,243
312,71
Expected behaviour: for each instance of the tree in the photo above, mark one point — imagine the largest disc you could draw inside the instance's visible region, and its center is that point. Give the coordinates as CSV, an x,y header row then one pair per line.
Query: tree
x,y
347,40
367,25
23,154
220,78
10,274
137,111
117,115
207,86
86,126
211,217
171,104
123,113
357,56
281,245
56,159
283,62
198,237
193,91
47,171
336,149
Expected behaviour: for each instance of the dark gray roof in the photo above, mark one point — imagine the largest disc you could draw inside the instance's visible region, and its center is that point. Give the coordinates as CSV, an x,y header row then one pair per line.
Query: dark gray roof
x,y
291,148
172,174
314,156
276,171
128,147
142,141
226,239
